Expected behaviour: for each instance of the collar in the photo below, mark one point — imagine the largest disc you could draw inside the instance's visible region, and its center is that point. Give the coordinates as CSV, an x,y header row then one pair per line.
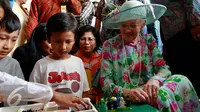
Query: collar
x,y
80,54
133,43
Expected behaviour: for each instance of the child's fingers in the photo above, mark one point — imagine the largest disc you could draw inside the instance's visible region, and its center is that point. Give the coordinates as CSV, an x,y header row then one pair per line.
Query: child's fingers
x,y
81,101
74,105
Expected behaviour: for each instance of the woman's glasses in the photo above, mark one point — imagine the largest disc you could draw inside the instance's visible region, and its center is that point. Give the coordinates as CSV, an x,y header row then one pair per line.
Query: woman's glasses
x,y
87,39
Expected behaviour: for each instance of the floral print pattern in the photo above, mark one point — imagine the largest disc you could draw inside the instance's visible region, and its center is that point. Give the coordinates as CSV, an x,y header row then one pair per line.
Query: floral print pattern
x,y
173,106
124,61
189,106
178,95
124,66
172,86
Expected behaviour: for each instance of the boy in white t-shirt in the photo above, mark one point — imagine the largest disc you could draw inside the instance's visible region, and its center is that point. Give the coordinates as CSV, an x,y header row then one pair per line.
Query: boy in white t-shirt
x,y
60,70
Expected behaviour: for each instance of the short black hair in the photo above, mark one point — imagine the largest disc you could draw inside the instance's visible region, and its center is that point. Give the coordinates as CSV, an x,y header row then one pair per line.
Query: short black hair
x,y
61,22
87,28
10,21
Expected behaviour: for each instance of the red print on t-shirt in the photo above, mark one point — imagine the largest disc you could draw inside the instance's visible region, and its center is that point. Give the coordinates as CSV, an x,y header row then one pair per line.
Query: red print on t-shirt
x,y
75,86
55,77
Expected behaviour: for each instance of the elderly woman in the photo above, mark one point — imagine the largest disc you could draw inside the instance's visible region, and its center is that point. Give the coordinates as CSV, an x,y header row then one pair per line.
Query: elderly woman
x,y
132,65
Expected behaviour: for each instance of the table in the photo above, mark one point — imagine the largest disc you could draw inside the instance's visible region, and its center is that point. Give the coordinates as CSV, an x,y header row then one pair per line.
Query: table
x,y
49,107
136,108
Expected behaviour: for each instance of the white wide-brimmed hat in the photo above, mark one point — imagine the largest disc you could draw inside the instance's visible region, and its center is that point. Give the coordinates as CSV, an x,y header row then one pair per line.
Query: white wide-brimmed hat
x,y
132,10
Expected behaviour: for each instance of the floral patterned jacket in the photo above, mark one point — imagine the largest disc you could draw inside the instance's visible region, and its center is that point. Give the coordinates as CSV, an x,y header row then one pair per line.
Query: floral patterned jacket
x,y
122,65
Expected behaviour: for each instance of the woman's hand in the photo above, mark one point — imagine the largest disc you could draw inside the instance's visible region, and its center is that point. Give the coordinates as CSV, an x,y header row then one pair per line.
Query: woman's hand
x,y
151,88
137,95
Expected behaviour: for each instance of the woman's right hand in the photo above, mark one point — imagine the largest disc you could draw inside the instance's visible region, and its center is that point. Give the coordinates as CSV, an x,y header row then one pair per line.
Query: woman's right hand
x,y
136,95
151,88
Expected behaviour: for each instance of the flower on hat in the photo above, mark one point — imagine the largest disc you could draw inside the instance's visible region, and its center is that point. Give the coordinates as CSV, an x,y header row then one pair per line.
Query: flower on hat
x,y
114,9
117,13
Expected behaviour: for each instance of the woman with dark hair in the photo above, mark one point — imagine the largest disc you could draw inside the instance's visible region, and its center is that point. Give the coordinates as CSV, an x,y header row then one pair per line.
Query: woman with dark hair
x,y
88,43
4,9
36,48
86,29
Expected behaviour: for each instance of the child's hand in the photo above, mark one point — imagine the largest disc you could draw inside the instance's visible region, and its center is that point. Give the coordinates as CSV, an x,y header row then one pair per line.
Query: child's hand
x,y
68,100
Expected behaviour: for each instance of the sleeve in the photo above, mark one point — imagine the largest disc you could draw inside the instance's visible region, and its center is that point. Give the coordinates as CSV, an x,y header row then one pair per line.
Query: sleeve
x,y
107,74
18,70
85,81
36,74
32,19
192,12
26,91
160,68
75,6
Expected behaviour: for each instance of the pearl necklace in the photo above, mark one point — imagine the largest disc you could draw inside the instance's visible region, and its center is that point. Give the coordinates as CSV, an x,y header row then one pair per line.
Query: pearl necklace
x,y
126,62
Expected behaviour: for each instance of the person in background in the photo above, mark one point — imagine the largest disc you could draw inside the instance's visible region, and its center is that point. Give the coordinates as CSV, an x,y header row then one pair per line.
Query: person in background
x,y
4,5
88,43
35,92
95,3
22,14
180,27
102,12
42,10
36,48
133,67
60,70
154,29
86,16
